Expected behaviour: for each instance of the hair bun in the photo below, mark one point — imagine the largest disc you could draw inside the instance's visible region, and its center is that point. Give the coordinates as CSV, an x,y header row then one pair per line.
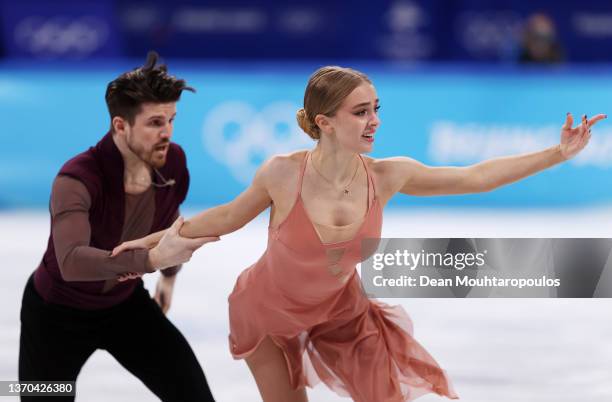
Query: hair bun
x,y
306,125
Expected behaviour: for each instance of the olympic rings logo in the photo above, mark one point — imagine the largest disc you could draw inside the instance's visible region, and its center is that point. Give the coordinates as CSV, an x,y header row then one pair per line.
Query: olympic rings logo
x,y
239,136
488,33
61,36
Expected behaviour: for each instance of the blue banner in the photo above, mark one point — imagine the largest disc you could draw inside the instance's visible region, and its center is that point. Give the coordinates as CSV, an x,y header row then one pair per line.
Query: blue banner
x,y
243,114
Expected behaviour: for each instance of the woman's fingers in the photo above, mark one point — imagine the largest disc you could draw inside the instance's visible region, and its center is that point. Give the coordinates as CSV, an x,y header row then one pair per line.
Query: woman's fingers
x,y
128,275
119,249
569,122
125,246
585,122
596,118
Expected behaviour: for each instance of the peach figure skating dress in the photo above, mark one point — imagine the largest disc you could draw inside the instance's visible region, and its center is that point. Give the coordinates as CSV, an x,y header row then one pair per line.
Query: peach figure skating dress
x,y
307,297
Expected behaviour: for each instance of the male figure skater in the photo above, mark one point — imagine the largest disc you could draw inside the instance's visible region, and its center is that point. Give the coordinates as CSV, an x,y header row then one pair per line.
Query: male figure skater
x,y
128,185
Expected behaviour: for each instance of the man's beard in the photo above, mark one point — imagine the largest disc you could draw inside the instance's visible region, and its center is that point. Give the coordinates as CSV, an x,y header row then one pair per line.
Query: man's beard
x,y
148,156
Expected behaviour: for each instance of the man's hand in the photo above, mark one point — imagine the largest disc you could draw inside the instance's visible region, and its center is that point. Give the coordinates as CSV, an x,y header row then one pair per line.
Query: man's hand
x,y
173,249
163,292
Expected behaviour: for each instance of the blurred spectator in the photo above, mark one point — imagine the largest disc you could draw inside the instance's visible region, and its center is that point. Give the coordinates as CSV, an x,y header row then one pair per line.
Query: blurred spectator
x,y
539,41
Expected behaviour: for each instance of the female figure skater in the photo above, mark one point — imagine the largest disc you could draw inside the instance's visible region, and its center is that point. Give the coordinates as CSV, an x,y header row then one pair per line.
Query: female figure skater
x,y
298,315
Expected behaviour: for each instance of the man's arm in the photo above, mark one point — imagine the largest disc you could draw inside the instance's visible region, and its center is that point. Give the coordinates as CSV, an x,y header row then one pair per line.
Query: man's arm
x,y
78,261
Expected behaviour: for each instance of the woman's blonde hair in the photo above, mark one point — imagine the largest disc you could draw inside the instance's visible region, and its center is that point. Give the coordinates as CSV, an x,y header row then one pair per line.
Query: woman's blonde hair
x,y
326,90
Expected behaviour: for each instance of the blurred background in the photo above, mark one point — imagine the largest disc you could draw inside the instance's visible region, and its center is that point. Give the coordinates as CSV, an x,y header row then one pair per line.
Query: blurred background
x,y
459,81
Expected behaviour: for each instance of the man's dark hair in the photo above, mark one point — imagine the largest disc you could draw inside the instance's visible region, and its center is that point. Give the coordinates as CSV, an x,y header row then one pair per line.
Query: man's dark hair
x,y
150,83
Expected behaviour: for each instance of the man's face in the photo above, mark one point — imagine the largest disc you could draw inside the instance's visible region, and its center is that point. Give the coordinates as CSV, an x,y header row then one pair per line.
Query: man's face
x,y
149,136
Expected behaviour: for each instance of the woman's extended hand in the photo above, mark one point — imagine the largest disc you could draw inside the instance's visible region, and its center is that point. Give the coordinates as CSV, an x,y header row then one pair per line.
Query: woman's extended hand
x,y
129,275
573,140
131,245
173,249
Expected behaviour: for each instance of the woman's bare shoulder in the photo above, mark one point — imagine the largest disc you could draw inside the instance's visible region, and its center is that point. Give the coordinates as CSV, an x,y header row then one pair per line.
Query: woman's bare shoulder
x,y
283,166
390,173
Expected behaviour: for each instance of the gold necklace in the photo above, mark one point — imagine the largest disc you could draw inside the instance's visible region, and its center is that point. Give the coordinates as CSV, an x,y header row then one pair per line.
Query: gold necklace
x,y
346,190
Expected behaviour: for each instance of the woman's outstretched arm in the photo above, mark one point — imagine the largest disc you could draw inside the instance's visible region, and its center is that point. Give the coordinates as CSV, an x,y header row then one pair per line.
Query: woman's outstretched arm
x,y
230,217
408,176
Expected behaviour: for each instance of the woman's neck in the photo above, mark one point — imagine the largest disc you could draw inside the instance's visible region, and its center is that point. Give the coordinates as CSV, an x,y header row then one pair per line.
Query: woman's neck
x,y
335,164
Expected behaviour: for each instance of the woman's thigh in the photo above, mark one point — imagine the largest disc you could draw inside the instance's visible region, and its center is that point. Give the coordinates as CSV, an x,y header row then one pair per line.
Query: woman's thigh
x,y
271,374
